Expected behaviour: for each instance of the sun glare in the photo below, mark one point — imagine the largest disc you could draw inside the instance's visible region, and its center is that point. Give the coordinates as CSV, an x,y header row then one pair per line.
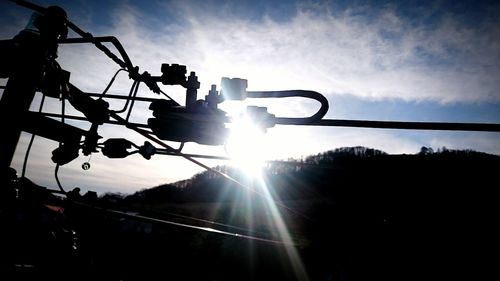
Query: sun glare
x,y
246,146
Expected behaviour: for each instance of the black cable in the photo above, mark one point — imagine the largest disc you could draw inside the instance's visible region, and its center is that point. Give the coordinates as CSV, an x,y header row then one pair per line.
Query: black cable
x,y
176,103
63,109
130,94
56,174
295,93
133,101
181,147
97,41
401,125
28,150
111,82
56,171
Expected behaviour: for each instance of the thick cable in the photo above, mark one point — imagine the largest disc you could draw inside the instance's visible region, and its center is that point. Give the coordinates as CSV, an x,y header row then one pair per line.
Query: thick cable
x,y
295,93
56,175
97,41
442,126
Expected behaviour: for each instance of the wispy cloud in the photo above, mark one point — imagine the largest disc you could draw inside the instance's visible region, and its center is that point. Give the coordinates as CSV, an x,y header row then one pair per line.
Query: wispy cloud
x,y
380,57
346,52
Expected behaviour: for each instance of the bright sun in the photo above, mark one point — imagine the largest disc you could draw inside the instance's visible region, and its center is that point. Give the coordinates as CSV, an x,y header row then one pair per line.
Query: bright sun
x,y
246,146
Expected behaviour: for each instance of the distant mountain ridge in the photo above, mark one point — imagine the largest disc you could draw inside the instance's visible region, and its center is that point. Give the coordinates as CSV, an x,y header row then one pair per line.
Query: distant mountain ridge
x,y
363,213
311,171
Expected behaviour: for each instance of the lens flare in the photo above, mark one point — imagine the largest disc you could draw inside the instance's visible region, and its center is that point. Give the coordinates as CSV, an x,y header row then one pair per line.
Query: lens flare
x,y
246,146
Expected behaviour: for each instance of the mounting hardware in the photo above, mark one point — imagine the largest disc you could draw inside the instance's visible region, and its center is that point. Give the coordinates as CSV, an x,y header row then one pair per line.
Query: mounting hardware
x,y
234,88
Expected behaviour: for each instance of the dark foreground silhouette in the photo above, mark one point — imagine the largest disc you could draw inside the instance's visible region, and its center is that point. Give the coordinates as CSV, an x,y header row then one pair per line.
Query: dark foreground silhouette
x,y
371,216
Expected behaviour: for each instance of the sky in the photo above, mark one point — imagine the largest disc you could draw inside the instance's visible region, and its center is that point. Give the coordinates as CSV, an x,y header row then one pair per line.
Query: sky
x,y
373,60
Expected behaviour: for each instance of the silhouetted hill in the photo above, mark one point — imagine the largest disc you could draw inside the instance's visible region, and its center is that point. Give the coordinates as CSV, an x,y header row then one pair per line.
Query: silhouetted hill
x,y
321,175
352,213
361,214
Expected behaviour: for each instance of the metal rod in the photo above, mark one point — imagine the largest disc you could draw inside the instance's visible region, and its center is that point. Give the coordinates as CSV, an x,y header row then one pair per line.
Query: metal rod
x,y
80,118
175,153
97,41
397,125
120,97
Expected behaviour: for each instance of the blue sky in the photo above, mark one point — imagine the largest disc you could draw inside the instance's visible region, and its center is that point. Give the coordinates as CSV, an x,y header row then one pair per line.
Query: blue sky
x,y
378,60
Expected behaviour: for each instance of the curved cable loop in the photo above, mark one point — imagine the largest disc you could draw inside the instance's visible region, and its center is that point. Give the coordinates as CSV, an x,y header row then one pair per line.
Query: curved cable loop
x,y
295,93
133,89
111,82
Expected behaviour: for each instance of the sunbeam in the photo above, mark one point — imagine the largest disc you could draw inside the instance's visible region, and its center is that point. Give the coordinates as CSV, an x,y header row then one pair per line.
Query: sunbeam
x,y
279,225
246,146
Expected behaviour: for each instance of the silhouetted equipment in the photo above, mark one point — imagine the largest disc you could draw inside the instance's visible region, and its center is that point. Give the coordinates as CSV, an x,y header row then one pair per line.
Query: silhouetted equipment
x,y
174,74
147,150
30,65
65,153
234,88
29,53
199,123
29,62
85,166
116,148
96,111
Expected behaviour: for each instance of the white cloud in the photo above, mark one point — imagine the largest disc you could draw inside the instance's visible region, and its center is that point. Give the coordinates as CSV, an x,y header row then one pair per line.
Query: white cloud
x,y
481,141
344,53
316,50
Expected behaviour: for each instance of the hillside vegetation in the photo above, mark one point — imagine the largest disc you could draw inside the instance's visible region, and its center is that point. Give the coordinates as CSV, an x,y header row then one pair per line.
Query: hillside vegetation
x,y
358,213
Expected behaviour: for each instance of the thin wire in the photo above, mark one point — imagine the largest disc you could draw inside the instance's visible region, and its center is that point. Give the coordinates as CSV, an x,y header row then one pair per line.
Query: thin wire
x,y
132,89
208,221
176,103
207,229
150,137
213,230
111,82
133,101
28,150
